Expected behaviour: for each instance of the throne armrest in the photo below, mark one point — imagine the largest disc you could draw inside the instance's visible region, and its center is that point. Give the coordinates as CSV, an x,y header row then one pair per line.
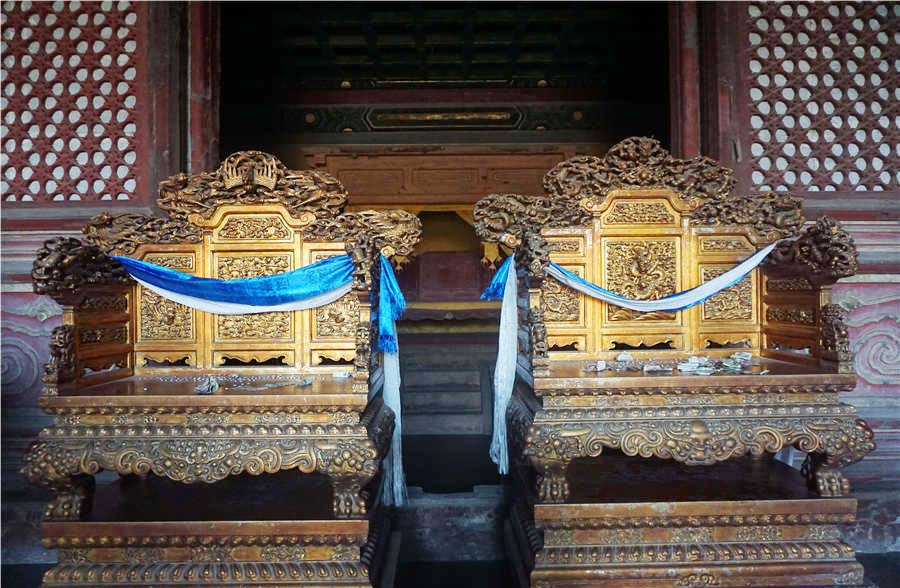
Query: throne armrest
x,y
94,341
798,276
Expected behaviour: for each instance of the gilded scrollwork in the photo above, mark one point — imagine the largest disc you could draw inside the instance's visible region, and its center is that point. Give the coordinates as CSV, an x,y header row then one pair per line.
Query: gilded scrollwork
x,y
643,270
230,267
103,334
104,303
122,234
252,177
822,254
57,462
629,213
257,228
791,314
176,262
263,325
734,303
835,441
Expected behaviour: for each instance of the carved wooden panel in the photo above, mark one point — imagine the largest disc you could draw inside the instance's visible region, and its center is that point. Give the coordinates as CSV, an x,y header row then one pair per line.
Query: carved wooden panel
x,y
254,228
732,304
646,212
163,320
719,244
643,269
262,326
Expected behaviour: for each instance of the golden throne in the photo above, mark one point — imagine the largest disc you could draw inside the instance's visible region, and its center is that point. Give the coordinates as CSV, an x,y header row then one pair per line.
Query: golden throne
x,y
645,225
290,390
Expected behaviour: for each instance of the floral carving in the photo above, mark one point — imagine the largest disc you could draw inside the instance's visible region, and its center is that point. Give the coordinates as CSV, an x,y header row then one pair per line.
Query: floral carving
x,y
230,267
834,341
791,314
61,367
263,325
177,262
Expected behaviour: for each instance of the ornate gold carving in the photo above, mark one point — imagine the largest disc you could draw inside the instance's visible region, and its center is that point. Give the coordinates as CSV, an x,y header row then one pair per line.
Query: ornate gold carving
x,y
177,262
561,303
65,269
767,533
338,319
367,234
787,314
61,367
564,246
162,319
230,267
823,253
122,234
252,177
700,436
103,334
283,553
263,325
643,270
724,244
692,535
734,303
772,215
212,553
834,341
259,228
787,284
516,221
630,213
696,580
103,303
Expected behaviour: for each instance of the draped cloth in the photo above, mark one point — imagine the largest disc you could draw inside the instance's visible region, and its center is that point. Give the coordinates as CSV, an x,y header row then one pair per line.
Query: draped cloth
x,y
503,287
311,286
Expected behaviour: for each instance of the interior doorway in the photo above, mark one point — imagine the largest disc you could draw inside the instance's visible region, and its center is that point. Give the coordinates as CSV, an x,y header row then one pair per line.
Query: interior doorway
x,y
430,107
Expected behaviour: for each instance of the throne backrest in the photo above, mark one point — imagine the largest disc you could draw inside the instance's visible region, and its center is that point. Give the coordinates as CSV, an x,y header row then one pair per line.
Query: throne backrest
x,y
644,225
251,217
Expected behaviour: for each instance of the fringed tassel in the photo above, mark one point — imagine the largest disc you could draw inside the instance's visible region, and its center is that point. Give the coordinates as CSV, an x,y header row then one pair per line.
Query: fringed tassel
x,y
505,370
391,305
394,481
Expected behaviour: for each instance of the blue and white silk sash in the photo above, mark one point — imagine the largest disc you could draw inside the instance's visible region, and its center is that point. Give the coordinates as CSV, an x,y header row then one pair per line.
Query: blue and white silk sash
x,y
503,287
311,286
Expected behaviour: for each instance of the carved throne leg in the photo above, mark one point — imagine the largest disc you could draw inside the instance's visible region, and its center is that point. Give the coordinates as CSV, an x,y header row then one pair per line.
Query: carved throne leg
x,y
552,485
59,471
840,448
349,497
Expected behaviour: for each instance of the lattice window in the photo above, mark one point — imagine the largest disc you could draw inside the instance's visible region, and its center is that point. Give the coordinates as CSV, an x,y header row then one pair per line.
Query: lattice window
x,y
824,95
70,101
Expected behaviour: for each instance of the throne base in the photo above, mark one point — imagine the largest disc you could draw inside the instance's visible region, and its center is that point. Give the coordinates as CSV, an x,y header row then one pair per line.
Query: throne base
x,y
276,530
634,523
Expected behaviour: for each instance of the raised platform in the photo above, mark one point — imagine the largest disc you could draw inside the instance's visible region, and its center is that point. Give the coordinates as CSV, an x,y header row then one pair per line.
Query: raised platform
x,y
638,523
275,530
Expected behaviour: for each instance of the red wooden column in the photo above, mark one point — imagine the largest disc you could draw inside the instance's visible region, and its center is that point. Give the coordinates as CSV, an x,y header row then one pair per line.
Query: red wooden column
x,y
203,87
684,79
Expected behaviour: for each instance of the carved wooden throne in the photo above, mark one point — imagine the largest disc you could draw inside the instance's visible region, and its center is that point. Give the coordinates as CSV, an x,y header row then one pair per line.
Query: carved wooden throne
x,y
296,390
644,225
